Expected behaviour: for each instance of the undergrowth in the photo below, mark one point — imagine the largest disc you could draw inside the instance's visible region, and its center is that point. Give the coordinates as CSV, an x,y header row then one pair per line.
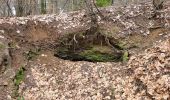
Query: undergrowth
x,y
31,54
18,79
2,46
103,3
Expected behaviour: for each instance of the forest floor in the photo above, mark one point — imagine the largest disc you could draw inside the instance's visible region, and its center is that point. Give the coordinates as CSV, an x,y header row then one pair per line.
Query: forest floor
x,y
29,69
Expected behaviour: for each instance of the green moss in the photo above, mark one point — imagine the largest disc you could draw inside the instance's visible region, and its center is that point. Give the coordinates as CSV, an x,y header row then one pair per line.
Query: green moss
x,y
115,29
93,54
127,44
96,56
2,46
102,49
20,98
19,77
81,34
13,45
94,48
103,3
125,56
122,45
99,54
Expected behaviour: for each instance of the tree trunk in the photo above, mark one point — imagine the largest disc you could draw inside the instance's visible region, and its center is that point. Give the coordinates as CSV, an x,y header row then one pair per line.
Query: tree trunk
x,y
43,7
20,9
55,6
113,2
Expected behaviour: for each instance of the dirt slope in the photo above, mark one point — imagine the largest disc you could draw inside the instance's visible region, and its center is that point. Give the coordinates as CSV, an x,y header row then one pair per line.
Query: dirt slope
x,y
29,69
145,77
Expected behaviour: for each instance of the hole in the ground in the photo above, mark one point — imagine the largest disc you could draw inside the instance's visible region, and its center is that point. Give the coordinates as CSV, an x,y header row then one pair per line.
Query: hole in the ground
x,y
89,47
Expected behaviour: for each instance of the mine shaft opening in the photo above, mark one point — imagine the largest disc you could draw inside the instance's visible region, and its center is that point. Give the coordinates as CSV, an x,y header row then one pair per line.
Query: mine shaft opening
x,y
95,47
